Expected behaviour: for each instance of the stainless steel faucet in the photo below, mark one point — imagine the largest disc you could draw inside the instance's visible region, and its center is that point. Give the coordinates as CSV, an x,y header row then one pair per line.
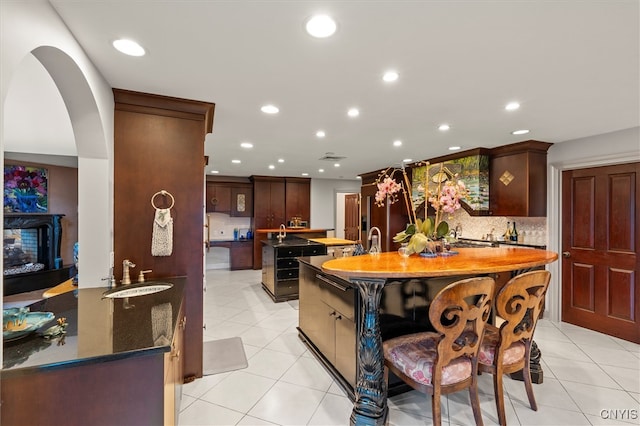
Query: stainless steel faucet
x,y
282,233
126,264
374,247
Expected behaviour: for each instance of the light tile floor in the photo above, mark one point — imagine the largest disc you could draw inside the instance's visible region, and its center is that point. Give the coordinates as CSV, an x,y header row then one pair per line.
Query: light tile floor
x,y
588,376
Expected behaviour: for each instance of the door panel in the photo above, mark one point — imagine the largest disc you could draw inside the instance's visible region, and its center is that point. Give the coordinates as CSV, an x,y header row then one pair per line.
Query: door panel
x,y
600,285
352,217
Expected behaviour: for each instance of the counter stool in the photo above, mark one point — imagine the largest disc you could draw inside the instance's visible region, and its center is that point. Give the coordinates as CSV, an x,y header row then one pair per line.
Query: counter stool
x,y
445,361
507,349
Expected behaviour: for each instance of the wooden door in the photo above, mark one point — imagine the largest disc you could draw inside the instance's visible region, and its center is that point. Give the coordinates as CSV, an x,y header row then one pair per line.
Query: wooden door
x,y
277,196
352,217
261,204
600,265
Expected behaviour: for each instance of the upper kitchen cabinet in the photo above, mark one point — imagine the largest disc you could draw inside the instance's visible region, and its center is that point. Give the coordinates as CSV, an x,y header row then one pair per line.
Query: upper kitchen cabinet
x,y
218,198
268,202
242,201
298,198
518,179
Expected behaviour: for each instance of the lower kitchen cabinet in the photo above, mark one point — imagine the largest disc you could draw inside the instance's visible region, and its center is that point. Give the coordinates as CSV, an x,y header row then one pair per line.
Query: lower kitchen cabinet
x,y
327,321
173,373
241,255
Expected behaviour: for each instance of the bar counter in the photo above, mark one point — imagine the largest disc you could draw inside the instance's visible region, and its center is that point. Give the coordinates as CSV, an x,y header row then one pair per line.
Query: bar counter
x,y
370,273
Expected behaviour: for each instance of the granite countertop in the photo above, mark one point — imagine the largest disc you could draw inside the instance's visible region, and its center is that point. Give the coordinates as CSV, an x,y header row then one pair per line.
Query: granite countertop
x,y
291,230
506,243
290,242
99,329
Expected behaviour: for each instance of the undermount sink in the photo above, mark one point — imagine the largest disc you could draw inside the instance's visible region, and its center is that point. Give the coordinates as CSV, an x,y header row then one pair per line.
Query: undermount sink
x,y
137,289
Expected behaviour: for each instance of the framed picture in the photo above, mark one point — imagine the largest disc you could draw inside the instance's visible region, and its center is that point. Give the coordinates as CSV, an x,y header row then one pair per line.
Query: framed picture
x,y
25,189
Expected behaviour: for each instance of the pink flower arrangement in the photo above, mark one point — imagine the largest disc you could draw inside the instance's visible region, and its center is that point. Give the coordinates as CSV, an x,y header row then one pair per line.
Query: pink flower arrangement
x,y
445,200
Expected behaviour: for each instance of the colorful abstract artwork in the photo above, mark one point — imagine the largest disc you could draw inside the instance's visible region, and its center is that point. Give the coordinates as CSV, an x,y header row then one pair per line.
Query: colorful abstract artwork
x,y
25,189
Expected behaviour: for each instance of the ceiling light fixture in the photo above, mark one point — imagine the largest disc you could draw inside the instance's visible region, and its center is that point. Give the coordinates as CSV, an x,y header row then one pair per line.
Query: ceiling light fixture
x,y
246,145
270,109
320,134
215,172
128,47
512,106
280,160
353,112
520,132
407,160
305,174
336,165
454,148
321,26
444,127
321,170
271,166
236,161
390,76
397,143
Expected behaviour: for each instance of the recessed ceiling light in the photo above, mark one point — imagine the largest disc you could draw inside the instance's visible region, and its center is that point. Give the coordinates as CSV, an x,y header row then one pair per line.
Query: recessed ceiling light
x,y
215,172
246,145
454,148
444,127
320,134
128,47
358,177
236,161
390,76
407,160
397,143
512,106
520,132
321,26
280,160
336,165
305,174
270,109
353,112
271,166
321,170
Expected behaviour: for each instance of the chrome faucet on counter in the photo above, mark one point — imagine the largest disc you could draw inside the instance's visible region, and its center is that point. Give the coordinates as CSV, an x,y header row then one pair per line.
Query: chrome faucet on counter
x,y
374,247
282,233
126,264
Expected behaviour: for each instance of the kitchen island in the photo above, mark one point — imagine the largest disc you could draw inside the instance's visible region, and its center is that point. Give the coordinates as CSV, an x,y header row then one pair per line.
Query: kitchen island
x,y
280,265
371,273
269,233
119,361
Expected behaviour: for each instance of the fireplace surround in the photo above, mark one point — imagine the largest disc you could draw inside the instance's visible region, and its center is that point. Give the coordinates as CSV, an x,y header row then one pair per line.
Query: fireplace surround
x,y
37,262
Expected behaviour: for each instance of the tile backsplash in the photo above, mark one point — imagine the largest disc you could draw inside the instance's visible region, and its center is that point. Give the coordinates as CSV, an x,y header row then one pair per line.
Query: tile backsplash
x,y
531,230
221,226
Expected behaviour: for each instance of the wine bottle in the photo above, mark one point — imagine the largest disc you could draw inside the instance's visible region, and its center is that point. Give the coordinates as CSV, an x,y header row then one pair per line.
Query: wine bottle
x,y
514,233
507,234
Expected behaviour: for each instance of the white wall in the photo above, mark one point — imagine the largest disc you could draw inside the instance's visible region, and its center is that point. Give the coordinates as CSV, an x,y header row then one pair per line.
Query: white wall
x,y
323,200
609,148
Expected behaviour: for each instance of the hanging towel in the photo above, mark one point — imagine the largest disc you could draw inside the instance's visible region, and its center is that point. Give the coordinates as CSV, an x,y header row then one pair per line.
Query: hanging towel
x,y
162,238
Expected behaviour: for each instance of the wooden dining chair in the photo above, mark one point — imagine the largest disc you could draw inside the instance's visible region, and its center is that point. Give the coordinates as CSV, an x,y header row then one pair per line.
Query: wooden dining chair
x,y
507,349
445,361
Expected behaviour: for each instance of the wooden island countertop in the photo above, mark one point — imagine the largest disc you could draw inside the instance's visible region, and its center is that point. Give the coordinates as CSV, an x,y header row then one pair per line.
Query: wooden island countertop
x,y
467,261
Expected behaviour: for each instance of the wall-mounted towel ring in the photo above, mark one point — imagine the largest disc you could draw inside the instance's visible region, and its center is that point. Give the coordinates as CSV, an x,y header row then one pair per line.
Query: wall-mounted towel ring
x,y
166,194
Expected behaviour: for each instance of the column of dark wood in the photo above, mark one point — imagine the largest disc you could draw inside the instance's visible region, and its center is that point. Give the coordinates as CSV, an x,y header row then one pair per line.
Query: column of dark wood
x,y
159,145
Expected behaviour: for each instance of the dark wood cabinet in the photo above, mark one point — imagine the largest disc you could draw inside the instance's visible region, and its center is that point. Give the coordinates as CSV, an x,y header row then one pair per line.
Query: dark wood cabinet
x,y
518,179
241,255
268,201
298,198
218,198
242,201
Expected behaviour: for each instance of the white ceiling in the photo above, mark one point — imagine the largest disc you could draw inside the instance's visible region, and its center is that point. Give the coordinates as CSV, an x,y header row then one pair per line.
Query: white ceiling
x,y
573,66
